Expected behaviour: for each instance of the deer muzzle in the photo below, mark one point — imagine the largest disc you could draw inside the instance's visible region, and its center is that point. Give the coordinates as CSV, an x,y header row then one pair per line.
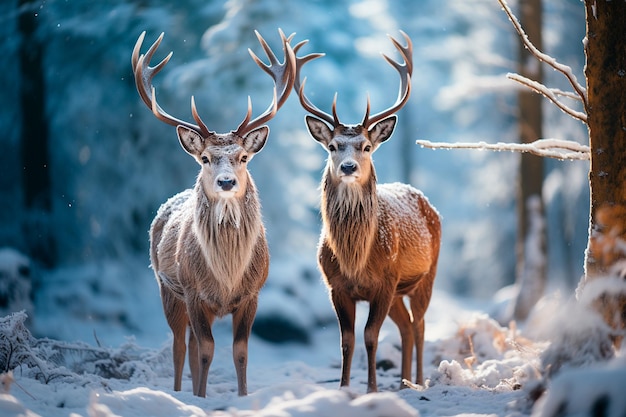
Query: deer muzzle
x,y
349,171
226,185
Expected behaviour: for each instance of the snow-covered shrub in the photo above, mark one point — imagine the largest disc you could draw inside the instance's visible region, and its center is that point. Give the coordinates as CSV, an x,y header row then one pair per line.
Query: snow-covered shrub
x,y
46,359
484,354
15,341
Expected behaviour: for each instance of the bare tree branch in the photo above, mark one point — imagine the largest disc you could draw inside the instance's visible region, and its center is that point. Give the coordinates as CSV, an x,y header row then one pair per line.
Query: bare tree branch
x,y
549,93
551,148
564,69
567,94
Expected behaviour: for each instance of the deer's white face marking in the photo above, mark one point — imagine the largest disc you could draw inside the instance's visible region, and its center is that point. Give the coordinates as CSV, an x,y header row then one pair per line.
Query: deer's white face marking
x,y
350,158
350,148
224,170
224,159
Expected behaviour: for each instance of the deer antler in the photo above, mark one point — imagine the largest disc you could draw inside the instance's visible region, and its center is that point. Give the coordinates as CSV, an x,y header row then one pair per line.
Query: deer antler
x,y
405,70
299,87
143,80
283,76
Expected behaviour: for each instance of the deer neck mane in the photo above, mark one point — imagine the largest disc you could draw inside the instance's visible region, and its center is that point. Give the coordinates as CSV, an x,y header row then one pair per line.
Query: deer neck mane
x,y
350,217
227,231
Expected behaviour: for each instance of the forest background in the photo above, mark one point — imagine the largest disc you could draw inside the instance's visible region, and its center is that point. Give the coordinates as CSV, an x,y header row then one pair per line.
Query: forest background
x,y
85,165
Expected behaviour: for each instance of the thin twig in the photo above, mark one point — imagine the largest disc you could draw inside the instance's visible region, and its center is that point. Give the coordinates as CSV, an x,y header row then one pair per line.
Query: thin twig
x,y
567,94
564,69
547,93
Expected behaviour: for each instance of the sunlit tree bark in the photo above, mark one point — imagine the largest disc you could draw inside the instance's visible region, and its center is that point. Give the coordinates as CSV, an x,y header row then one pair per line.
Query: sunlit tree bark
x,y
606,86
605,72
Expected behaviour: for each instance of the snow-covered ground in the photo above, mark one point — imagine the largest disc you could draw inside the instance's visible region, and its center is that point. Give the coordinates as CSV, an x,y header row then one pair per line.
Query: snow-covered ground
x,y
474,366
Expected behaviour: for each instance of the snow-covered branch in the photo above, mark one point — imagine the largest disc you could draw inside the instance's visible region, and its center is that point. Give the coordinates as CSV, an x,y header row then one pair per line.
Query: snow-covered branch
x,y
564,69
550,148
549,93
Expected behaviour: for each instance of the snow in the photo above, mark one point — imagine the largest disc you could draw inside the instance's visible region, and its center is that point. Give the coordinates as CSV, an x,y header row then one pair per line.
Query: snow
x,y
602,392
475,367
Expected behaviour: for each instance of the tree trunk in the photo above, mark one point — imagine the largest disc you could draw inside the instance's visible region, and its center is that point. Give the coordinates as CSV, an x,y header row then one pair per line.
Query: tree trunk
x,y
531,239
34,140
605,73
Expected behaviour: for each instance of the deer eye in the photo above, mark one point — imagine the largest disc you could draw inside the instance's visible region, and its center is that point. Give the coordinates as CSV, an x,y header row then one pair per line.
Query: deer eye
x,y
332,148
205,160
244,159
367,148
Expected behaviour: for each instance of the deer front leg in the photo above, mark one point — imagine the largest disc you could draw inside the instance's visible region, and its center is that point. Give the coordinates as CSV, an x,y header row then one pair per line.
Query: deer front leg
x,y
345,308
400,315
243,317
379,308
201,319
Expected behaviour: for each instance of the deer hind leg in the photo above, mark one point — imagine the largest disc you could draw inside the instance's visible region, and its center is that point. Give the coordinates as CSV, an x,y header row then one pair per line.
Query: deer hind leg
x,y
345,308
419,301
194,364
176,316
201,319
400,315
379,309
243,317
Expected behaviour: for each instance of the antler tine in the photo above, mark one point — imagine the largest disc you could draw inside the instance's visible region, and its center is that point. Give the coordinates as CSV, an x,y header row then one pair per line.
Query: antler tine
x,y
367,111
299,87
135,56
405,70
406,51
335,117
283,76
143,80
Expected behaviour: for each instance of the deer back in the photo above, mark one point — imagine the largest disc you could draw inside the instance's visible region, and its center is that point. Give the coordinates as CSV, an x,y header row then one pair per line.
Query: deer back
x,y
409,233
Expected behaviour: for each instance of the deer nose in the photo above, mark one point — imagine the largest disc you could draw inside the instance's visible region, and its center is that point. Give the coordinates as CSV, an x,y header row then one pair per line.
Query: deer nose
x,y
348,167
226,184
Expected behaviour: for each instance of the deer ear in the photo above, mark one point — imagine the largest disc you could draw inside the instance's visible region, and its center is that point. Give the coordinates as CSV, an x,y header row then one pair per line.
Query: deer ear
x,y
254,141
382,130
319,130
190,140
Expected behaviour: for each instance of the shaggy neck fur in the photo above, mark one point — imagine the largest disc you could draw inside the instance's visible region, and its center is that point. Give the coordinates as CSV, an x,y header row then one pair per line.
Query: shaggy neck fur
x,y
227,230
350,216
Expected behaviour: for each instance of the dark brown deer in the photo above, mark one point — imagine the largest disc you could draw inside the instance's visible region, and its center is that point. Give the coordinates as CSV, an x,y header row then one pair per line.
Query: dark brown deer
x,y
207,244
379,242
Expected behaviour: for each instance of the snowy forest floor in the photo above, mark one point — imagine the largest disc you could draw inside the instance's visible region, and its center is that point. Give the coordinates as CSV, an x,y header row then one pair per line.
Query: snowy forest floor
x,y
478,368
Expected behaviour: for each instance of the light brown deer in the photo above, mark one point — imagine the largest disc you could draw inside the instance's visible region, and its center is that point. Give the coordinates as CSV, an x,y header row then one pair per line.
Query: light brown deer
x,y
207,244
379,242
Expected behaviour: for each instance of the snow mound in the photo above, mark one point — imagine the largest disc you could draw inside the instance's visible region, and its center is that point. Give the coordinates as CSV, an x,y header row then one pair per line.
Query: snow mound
x,y
486,355
320,402
592,391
